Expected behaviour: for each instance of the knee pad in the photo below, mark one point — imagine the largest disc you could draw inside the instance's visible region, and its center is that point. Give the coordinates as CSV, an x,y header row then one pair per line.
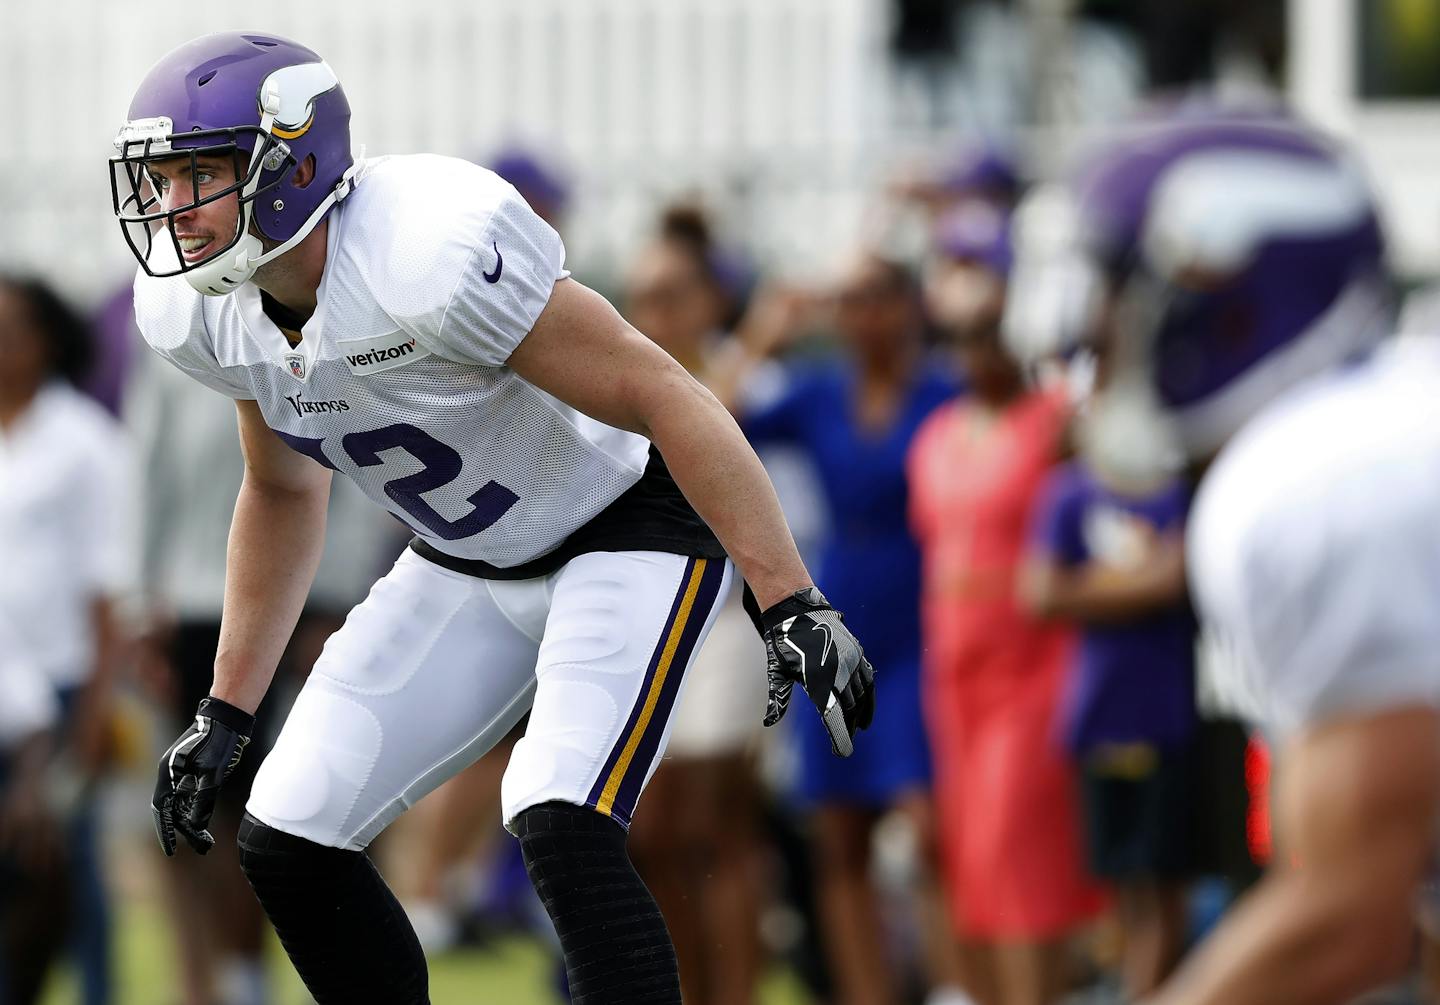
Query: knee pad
x,y
617,950
343,929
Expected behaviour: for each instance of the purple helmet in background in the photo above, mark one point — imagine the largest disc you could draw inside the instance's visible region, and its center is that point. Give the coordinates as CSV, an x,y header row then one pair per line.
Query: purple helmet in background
x,y
1226,257
268,103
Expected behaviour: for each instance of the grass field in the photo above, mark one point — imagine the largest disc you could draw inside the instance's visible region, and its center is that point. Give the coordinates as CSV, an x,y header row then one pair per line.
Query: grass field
x,y
514,971
509,971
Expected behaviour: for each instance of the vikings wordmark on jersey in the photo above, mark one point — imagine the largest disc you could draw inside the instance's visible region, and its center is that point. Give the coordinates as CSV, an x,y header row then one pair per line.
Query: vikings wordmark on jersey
x,y
399,380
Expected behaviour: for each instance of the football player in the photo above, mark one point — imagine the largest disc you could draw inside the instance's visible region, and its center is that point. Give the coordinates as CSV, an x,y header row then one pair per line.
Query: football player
x,y
409,322
1239,265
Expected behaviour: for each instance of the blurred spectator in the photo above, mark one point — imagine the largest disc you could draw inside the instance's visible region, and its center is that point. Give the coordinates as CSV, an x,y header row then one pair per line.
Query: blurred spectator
x,y
696,839
539,183
965,284
855,419
34,897
116,342
975,172
1108,558
66,531
1008,817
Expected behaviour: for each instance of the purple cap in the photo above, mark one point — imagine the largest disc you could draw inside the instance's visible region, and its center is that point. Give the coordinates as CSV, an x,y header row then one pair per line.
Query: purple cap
x,y
537,182
981,170
976,231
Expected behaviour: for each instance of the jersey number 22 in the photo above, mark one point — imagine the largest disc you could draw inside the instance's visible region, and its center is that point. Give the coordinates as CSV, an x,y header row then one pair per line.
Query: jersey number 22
x,y
441,467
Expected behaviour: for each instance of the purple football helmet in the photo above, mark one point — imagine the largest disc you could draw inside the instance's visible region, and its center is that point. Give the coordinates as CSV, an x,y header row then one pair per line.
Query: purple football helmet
x,y
1231,255
267,103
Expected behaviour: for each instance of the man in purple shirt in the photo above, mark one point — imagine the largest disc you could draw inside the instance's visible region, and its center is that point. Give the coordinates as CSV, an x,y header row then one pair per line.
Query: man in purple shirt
x,y
1110,560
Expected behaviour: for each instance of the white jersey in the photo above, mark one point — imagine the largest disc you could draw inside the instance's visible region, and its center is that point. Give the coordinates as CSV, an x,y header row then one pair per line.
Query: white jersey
x,y
68,531
1314,546
435,270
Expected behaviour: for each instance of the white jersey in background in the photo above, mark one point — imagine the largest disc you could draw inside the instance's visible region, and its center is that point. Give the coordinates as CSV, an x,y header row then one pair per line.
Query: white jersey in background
x,y
68,533
30,705
435,270
1315,546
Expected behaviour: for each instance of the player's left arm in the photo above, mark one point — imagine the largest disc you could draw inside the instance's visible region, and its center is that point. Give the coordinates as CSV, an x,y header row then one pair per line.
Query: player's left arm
x,y
584,353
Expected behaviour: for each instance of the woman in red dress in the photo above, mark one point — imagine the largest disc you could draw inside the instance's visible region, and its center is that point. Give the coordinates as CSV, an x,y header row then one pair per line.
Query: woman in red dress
x,y
1008,822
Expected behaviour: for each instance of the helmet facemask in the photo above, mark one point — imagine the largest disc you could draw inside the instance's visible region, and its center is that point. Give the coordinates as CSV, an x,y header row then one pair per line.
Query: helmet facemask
x,y
137,203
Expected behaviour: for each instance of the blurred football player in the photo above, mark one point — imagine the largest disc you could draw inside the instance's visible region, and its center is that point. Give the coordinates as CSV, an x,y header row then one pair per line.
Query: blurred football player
x,y
1238,265
409,322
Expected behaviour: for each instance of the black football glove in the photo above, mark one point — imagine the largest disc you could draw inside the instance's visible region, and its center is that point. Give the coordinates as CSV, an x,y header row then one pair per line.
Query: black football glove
x,y
806,643
192,770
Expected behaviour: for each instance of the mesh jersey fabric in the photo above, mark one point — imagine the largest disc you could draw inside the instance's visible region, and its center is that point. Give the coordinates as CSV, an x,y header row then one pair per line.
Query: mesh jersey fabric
x,y
1313,556
435,270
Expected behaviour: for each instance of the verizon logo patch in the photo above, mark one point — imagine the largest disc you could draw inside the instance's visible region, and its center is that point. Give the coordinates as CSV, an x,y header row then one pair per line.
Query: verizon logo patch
x,y
380,352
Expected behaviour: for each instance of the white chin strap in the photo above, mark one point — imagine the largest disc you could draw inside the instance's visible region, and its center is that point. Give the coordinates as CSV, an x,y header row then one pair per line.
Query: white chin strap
x,y
228,270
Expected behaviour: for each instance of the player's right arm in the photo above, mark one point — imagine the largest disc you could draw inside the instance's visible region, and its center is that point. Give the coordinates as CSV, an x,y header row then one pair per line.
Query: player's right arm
x,y
276,537
1355,809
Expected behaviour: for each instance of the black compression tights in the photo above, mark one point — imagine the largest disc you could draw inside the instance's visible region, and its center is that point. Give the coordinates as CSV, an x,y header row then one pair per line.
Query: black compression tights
x,y
345,932
617,951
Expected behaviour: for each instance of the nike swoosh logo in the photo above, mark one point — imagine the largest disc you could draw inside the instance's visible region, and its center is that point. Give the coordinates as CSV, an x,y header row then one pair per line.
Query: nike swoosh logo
x,y
494,277
825,650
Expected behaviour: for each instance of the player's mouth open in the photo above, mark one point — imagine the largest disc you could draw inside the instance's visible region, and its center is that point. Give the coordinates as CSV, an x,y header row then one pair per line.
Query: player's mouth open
x,y
192,246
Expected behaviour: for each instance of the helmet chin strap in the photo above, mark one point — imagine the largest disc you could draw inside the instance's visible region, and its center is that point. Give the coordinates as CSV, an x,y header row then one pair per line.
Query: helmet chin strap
x,y
226,272
345,186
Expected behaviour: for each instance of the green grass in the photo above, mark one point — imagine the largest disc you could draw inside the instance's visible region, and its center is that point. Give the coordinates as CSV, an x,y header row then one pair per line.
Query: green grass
x,y
515,971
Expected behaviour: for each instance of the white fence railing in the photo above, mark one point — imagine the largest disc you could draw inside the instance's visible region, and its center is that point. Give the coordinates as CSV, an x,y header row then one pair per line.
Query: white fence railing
x,y
777,109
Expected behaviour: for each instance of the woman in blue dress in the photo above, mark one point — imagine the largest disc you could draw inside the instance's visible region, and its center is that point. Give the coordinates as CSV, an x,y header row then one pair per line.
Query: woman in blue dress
x,y
854,417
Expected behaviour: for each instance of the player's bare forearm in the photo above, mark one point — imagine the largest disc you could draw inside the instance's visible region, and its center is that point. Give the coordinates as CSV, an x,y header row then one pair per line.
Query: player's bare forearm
x,y
585,354
1355,803
276,537
1284,944
275,544
723,479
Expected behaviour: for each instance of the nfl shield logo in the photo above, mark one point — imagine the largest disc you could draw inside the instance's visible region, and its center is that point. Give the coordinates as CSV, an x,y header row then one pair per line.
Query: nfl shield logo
x,y
297,364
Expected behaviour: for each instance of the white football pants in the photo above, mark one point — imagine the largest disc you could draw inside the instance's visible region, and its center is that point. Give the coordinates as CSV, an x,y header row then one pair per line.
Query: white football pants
x,y
435,667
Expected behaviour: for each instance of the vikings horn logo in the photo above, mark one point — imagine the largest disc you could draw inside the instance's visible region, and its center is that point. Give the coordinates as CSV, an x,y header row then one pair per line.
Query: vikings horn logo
x,y
297,87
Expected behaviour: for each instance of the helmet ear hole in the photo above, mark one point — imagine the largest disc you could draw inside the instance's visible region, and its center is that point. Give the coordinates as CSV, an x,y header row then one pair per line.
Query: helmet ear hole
x,y
304,173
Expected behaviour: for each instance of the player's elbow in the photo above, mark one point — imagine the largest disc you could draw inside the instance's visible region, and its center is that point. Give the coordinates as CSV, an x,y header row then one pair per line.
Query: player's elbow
x,y
670,401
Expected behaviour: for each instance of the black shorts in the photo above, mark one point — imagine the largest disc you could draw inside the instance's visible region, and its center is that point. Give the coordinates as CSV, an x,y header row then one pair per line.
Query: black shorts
x,y
1139,814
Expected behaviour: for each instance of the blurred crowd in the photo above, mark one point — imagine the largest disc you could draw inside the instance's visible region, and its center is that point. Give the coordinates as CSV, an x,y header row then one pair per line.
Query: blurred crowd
x,y
1043,808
